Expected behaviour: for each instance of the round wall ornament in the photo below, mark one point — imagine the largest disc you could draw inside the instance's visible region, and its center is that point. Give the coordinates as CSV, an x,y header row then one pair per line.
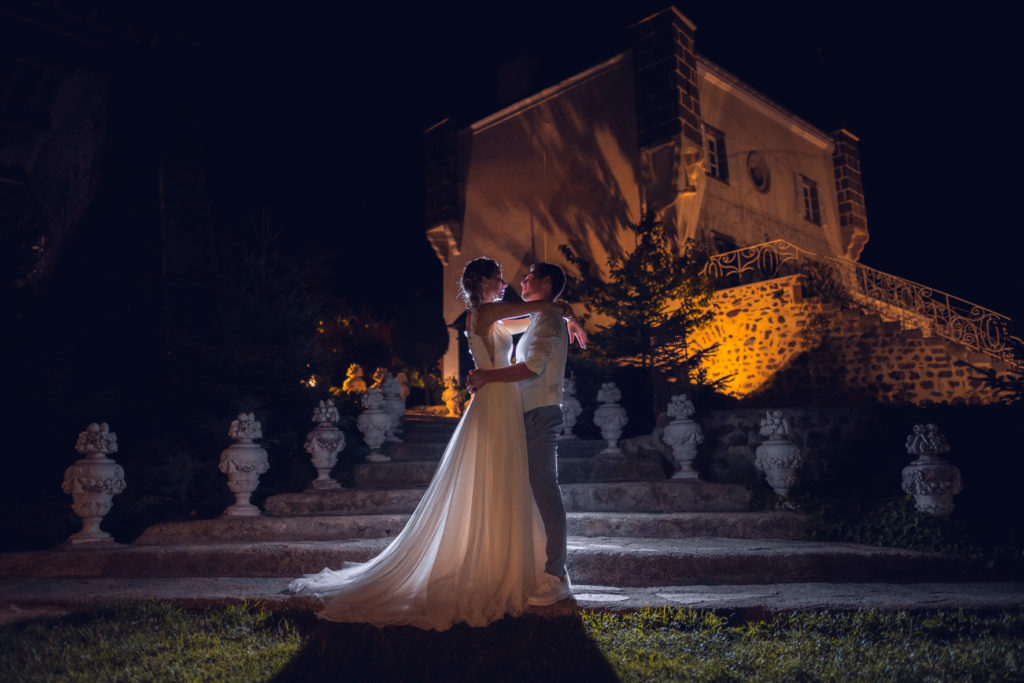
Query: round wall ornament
x,y
760,176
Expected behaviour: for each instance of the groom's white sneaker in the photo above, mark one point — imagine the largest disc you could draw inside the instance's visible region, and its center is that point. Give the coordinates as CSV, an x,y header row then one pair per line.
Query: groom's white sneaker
x,y
551,590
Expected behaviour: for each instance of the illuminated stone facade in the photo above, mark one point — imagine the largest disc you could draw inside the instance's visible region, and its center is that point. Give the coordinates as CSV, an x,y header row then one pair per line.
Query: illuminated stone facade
x,y
773,340
658,126
661,127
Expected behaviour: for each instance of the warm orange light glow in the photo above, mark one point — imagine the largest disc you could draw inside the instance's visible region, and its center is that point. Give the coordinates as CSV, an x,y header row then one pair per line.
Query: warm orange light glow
x,y
762,328
759,329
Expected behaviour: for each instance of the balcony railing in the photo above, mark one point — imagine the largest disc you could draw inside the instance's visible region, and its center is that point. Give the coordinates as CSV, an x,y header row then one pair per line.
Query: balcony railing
x,y
893,298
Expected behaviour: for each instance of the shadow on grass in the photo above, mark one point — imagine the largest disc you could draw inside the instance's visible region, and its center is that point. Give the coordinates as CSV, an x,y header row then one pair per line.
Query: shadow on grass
x,y
513,649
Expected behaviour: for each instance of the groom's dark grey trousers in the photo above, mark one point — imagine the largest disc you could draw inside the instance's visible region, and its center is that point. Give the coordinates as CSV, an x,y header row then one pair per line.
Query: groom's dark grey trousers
x,y
543,425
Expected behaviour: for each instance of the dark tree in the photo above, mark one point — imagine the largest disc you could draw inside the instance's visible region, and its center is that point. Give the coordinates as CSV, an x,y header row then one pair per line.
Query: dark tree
x,y
655,299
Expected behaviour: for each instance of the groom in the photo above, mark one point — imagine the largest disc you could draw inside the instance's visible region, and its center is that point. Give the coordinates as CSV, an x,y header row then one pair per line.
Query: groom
x,y
541,352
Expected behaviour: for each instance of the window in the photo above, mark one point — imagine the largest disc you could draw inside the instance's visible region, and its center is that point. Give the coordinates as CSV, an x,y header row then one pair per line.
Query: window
x,y
718,166
809,191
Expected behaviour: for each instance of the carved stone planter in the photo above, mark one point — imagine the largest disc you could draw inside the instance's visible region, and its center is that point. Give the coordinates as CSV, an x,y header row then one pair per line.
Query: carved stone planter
x,y
778,457
452,397
374,422
244,461
323,444
610,417
354,382
93,481
571,408
683,435
932,480
403,381
393,405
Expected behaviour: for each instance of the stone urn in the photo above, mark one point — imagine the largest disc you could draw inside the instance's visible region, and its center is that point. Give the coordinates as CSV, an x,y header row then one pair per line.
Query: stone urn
x,y
244,461
374,422
354,382
323,444
403,381
932,480
93,481
571,408
452,397
778,457
610,417
683,435
393,405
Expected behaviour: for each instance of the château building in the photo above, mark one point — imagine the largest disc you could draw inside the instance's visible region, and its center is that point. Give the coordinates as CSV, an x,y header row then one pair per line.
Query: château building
x,y
663,128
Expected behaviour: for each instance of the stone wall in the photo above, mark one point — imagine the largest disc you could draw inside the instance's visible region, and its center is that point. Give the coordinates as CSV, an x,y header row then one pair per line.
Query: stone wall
x,y
777,343
759,331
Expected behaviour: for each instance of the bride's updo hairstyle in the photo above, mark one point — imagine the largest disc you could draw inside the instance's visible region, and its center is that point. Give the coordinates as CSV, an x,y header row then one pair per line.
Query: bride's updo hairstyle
x,y
475,272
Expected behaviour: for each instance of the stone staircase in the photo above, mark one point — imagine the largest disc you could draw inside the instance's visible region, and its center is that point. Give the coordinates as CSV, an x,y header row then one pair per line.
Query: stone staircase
x,y
764,330
629,525
901,360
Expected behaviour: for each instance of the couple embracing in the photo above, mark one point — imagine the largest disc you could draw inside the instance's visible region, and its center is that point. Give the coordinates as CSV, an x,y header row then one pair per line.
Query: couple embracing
x,y
488,538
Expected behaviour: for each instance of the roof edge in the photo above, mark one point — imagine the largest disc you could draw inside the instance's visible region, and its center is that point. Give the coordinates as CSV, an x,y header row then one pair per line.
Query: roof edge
x,y
546,94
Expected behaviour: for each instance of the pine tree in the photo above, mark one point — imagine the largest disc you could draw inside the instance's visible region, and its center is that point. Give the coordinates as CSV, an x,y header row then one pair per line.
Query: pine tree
x,y
655,299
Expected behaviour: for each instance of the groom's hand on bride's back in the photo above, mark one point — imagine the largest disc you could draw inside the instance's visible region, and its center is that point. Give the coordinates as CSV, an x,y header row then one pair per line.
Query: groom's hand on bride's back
x,y
474,380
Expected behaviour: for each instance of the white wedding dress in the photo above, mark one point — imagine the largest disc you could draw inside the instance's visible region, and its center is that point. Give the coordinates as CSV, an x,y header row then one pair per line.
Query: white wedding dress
x,y
474,548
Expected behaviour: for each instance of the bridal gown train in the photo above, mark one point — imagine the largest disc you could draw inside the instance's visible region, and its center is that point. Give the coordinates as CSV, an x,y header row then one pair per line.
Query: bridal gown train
x,y
473,549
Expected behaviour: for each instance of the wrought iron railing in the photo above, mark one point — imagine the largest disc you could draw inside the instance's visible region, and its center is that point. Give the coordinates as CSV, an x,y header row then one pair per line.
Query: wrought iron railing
x,y
893,298
759,262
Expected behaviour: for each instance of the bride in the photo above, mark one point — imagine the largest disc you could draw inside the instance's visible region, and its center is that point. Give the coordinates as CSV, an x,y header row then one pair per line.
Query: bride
x,y
474,548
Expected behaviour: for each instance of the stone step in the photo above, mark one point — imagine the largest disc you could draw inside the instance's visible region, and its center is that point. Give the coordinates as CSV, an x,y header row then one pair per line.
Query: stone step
x,y
414,423
343,502
431,447
266,528
672,495
425,415
29,598
979,357
405,451
639,562
570,470
427,435
599,560
631,496
779,525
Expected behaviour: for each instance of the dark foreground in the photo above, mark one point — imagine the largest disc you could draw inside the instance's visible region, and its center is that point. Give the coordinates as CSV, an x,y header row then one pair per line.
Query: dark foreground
x,y
159,641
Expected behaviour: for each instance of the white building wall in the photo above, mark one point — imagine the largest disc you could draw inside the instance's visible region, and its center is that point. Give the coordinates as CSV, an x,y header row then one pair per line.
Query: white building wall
x,y
790,147
562,167
558,168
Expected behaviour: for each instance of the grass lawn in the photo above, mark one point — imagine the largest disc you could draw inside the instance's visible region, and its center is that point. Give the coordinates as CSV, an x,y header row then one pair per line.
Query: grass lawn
x,y
149,641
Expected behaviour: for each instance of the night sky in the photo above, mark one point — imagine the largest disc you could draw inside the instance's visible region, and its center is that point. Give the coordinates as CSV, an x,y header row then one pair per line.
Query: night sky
x,y
317,116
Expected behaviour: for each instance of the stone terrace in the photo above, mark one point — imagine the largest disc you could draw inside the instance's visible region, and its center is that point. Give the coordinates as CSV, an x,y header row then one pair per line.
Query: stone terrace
x,y
636,537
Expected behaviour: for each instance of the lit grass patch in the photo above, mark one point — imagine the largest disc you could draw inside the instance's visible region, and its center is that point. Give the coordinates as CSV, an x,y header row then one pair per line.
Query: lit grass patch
x,y
150,641
684,644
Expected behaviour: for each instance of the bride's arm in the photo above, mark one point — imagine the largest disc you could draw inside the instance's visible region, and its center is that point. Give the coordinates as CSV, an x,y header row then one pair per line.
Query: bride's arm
x,y
518,325
490,313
